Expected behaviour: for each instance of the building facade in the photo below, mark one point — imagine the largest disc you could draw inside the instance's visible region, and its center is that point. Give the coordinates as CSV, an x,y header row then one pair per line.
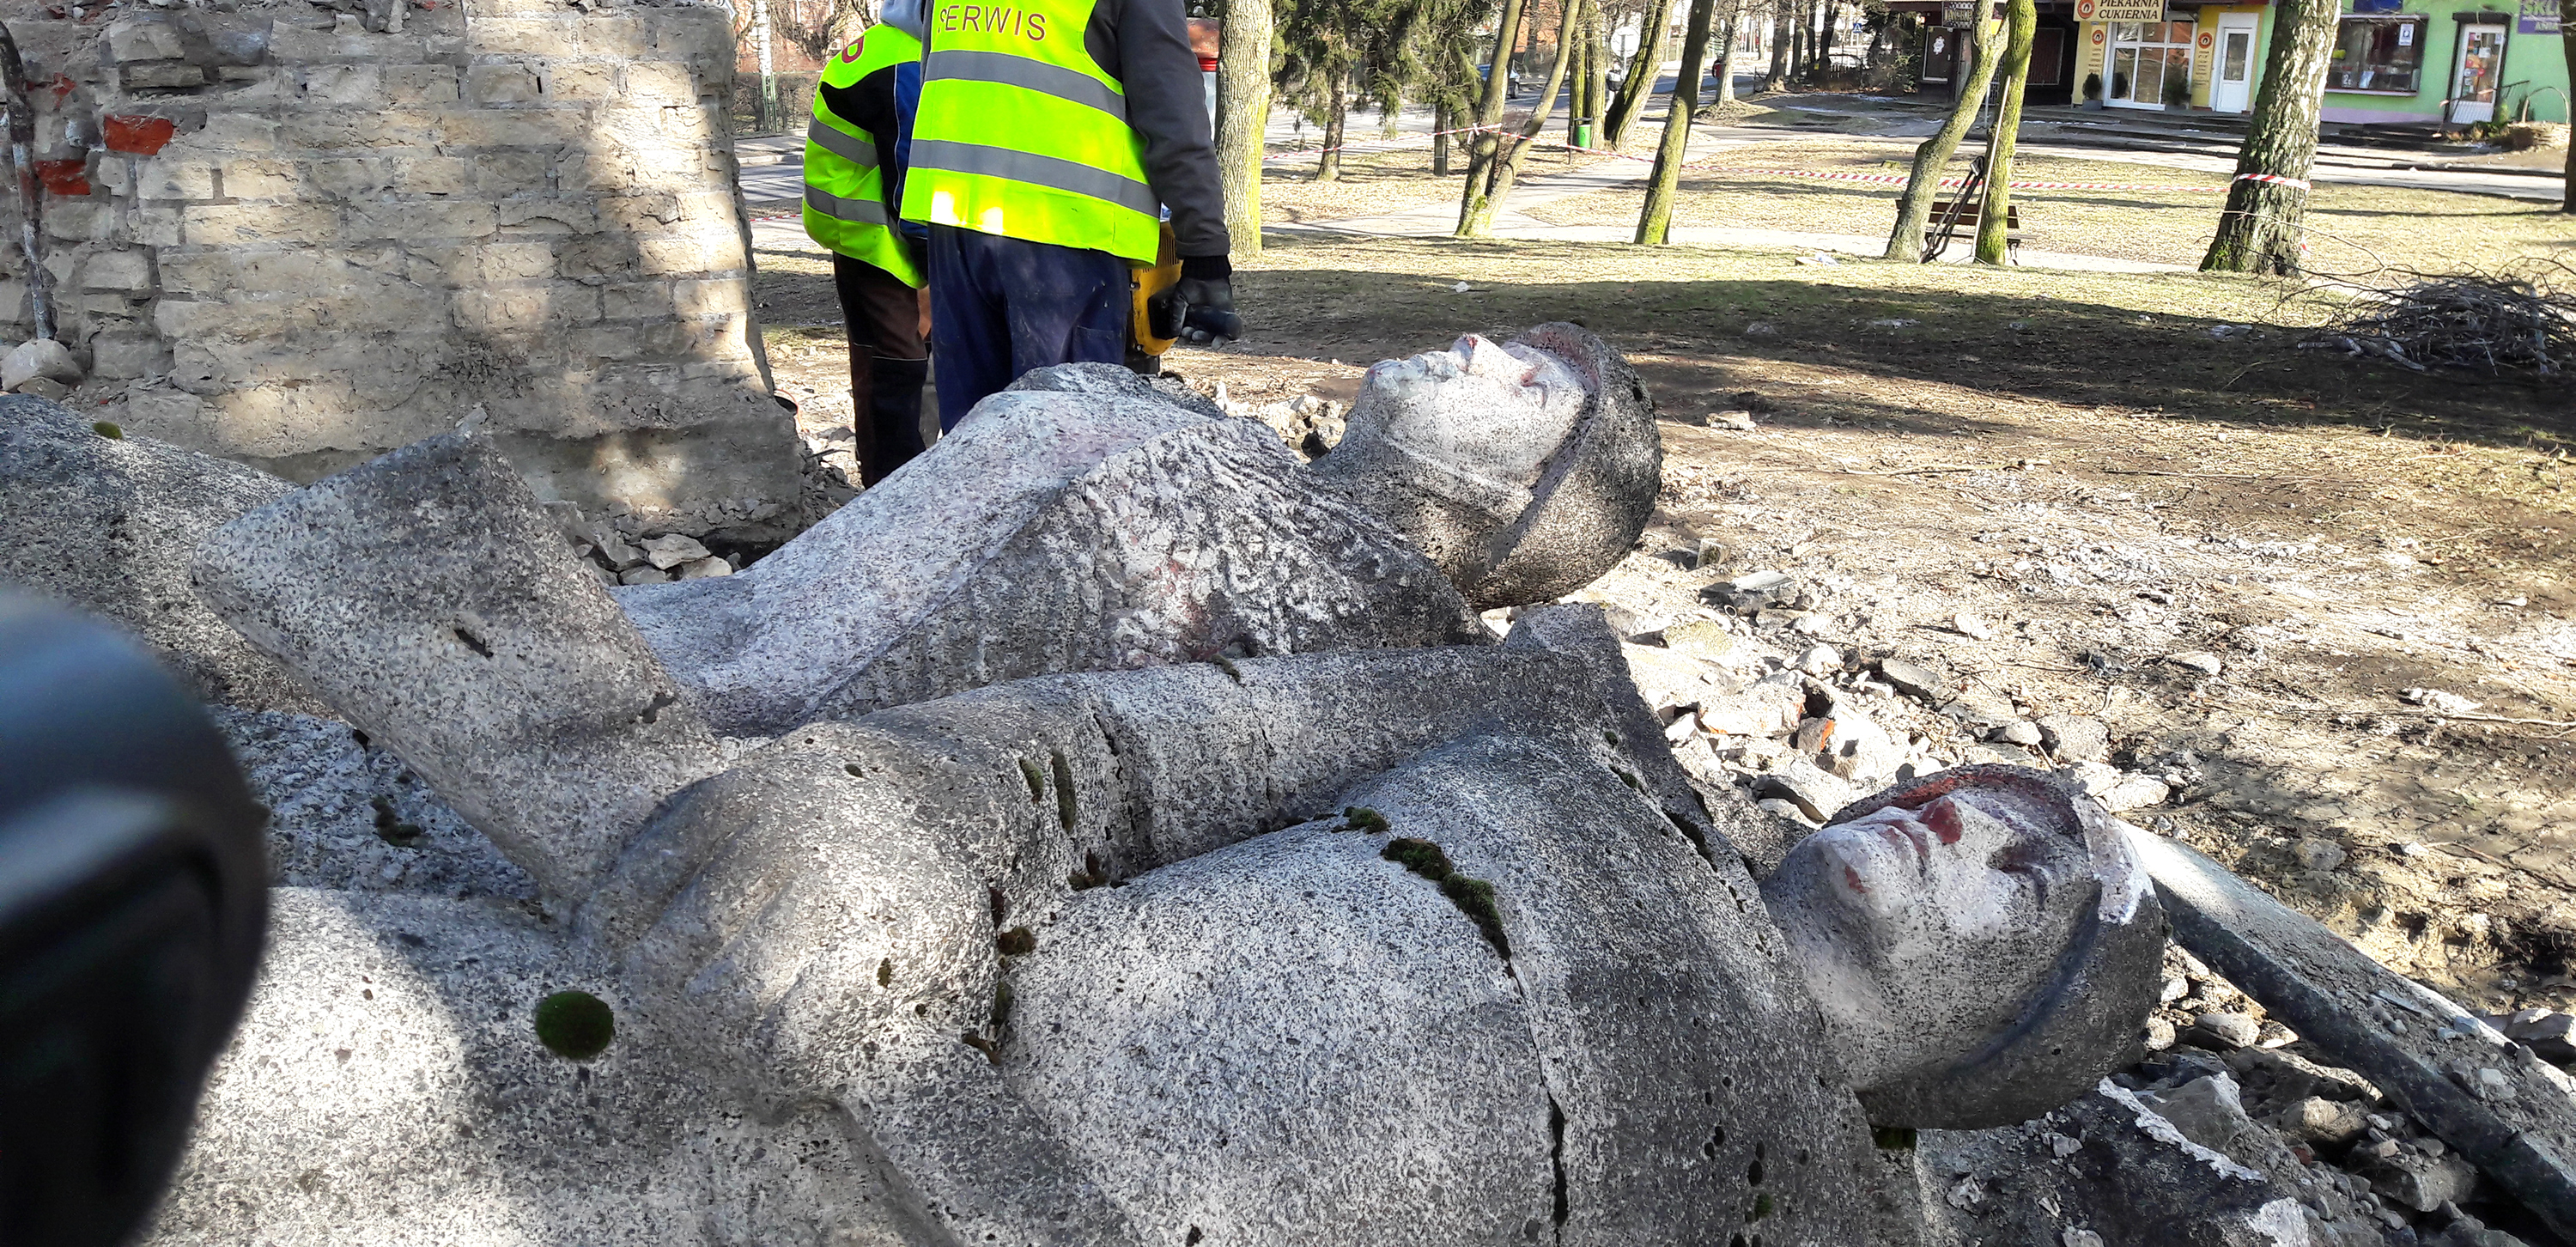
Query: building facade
x,y
2396,62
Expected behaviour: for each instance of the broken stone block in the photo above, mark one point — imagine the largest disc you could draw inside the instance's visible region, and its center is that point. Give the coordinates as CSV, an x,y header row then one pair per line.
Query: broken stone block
x,y
700,569
427,596
1706,640
1672,682
103,521
40,358
1059,530
1766,709
672,549
2221,1031
2316,1119
1853,746
2208,1111
2133,1180
2418,1179
2074,738
1912,679
1755,592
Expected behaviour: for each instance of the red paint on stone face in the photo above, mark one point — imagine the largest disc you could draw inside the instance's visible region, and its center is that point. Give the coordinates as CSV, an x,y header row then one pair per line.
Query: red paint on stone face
x,y
140,136
1943,819
1851,879
62,86
64,177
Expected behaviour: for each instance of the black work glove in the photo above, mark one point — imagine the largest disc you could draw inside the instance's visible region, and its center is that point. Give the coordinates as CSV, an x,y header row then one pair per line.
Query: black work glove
x,y
1197,309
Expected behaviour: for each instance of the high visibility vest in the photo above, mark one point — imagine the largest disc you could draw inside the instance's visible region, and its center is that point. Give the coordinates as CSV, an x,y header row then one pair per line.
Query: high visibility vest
x,y
845,205
1022,134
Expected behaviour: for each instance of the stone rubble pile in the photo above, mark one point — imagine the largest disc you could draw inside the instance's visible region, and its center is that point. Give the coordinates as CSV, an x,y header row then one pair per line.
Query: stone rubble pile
x,y
2268,1116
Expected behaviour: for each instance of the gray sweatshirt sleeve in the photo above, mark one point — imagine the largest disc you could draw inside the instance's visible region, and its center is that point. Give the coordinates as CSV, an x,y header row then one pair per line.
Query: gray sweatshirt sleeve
x,y
1145,44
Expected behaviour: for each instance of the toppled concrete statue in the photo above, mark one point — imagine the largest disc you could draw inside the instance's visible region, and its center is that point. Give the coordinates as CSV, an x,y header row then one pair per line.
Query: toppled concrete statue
x,y
1086,519
90,518
1225,951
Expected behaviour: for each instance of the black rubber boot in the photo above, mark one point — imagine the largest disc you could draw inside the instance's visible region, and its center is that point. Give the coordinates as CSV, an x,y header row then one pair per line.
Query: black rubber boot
x,y
892,435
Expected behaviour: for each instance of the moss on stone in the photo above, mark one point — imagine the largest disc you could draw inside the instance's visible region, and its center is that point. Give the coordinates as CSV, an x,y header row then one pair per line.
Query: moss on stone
x,y
1016,942
1036,778
1475,898
1893,1138
1419,856
109,430
575,1025
1065,811
1362,818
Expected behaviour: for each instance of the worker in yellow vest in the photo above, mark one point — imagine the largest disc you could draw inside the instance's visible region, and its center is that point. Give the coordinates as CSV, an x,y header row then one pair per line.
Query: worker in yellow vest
x,y
854,166
1052,136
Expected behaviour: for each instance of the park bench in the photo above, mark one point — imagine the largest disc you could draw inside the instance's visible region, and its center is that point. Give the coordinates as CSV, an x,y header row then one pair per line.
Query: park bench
x,y
1967,229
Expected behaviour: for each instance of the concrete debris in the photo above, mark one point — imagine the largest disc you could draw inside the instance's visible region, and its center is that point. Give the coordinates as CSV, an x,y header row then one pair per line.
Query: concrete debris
x,y
1971,626
1755,592
2436,699
2318,854
2197,660
2074,738
39,359
1912,679
1738,421
672,549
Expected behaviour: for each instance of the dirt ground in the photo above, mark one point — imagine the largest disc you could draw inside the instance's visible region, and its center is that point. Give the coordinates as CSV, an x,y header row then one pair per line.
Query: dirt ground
x,y
2109,469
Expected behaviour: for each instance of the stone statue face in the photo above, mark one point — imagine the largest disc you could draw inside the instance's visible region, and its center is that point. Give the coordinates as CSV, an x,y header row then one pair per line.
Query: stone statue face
x,y
1926,932
1492,412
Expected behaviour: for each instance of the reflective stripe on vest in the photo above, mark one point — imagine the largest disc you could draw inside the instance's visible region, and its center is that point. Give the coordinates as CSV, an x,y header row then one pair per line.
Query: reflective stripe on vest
x,y
845,208
1023,135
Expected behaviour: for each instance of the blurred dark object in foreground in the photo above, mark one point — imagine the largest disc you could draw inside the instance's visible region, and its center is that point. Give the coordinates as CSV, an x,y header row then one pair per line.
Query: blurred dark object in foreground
x,y
133,896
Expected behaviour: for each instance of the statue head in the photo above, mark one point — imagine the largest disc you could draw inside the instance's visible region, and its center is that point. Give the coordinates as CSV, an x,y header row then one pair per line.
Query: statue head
x,y
1981,941
1524,469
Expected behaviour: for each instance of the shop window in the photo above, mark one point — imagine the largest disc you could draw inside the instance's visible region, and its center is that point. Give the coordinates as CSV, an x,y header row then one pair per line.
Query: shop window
x,y
2380,55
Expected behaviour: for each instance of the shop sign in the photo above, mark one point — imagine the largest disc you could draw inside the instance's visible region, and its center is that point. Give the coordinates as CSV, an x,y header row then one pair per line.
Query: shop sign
x,y
1964,13
2539,17
2121,10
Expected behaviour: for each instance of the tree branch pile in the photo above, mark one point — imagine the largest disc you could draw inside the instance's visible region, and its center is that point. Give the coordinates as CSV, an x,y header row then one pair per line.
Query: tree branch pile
x,y
2520,319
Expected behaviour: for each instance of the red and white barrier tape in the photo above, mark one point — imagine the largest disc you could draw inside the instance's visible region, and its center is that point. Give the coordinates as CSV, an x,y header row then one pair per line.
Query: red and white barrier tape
x,y
2276,179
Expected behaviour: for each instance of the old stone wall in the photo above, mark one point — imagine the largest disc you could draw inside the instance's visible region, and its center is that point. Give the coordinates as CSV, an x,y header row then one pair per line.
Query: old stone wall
x,y
301,234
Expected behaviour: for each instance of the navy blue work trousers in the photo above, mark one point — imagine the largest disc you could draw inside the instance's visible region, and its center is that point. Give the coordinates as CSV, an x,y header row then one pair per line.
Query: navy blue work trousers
x,y
1000,307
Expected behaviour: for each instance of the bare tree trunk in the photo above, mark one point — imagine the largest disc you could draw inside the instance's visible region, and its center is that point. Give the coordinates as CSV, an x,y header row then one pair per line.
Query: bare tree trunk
x,y
1441,122
1825,39
1654,225
1596,67
1337,114
1778,78
1508,169
1578,69
2567,36
2022,19
2259,231
1485,148
1914,206
1643,68
1243,113
1726,48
